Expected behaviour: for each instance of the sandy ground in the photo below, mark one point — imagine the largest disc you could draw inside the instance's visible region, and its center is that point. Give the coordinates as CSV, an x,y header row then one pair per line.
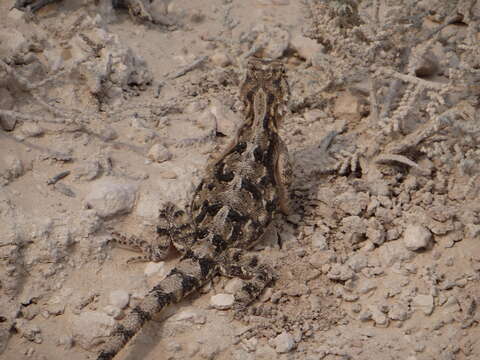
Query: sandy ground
x,y
104,118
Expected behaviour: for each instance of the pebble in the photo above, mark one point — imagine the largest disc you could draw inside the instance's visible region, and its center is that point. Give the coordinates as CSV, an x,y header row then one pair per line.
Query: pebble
x,y
340,272
353,203
416,237
153,268
424,303
32,130
379,317
427,65
7,102
111,198
190,315
398,311
159,153
233,286
88,171
220,59
90,326
319,241
305,47
119,298
222,301
226,120
283,343
349,107
113,311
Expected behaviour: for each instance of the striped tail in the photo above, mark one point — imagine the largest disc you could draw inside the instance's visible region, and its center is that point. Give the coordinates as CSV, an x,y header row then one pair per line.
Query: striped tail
x,y
191,273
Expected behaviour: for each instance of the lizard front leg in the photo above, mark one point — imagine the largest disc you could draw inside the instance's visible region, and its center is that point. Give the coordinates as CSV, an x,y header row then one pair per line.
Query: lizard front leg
x,y
178,232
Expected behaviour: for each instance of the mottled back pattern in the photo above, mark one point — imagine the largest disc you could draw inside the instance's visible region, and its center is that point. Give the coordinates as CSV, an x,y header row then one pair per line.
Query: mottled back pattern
x,y
230,210
235,201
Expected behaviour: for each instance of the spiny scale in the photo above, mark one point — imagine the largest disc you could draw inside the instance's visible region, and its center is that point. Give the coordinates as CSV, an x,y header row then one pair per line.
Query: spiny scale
x,y
231,208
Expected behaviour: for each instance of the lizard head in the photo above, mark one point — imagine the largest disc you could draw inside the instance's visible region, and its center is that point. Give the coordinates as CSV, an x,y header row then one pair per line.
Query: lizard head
x,y
264,92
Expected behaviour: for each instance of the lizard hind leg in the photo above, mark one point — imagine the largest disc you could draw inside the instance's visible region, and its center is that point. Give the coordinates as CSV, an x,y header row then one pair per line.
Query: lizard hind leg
x,y
179,227
151,251
256,276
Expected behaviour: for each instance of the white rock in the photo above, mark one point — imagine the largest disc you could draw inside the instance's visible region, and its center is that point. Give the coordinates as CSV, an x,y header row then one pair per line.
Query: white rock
x,y
233,286
119,298
398,312
222,301
424,303
226,120
220,59
91,326
357,262
305,47
189,315
277,40
6,102
110,198
416,237
15,14
319,241
283,343
340,272
113,311
30,129
347,106
159,153
379,317
12,41
153,268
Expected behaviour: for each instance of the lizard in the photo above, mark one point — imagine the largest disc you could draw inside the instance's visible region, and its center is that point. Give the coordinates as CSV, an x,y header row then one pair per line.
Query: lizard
x,y
231,208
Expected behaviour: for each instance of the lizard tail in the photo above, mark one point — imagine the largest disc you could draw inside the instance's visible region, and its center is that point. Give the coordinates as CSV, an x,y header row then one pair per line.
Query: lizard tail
x,y
190,274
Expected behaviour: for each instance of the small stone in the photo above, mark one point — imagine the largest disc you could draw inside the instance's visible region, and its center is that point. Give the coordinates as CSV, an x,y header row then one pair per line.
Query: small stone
x,y
353,203
424,303
250,344
233,286
365,316
367,286
189,315
283,343
66,341
379,317
349,107
91,326
319,241
7,102
226,120
277,40
314,115
11,167
110,198
427,65
305,47
119,298
15,14
220,59
153,268
113,311
222,301
30,129
340,272
398,312
159,153
473,230
416,237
